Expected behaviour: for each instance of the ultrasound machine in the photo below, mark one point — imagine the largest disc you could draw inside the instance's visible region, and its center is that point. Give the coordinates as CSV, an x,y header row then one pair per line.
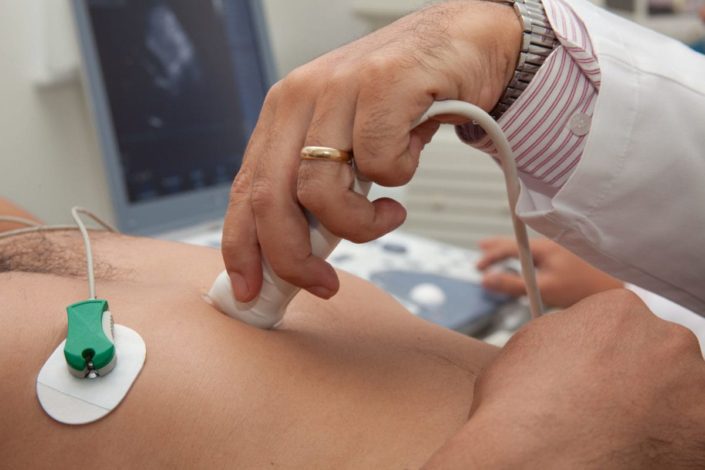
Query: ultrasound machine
x,y
176,87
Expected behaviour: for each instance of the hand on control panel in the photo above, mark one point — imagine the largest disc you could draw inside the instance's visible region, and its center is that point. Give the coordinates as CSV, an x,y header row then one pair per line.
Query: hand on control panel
x,y
563,278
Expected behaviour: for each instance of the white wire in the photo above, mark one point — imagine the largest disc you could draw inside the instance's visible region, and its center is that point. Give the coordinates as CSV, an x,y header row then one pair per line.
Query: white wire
x,y
51,228
107,226
19,220
75,213
511,180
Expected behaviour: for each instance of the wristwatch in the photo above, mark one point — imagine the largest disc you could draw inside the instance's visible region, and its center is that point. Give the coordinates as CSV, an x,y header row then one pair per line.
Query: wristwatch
x,y
538,41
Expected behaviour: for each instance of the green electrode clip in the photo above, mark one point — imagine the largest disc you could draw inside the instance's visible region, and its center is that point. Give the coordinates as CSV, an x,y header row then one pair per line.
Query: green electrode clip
x,y
90,344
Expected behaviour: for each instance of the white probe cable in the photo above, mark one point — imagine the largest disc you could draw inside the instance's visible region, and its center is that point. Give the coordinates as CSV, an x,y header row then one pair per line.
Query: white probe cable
x,y
511,181
268,308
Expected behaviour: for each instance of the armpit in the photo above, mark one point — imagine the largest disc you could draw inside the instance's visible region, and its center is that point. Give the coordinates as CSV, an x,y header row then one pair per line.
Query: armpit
x,y
58,253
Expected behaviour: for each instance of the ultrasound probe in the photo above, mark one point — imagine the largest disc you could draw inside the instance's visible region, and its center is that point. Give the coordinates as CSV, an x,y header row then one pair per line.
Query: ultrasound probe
x,y
268,308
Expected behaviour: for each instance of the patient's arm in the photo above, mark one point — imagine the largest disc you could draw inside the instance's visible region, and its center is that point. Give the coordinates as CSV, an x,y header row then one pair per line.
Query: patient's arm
x,y
604,384
353,382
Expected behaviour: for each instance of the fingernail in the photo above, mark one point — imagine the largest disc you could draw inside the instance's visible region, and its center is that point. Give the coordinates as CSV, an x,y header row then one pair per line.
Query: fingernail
x,y
240,288
321,291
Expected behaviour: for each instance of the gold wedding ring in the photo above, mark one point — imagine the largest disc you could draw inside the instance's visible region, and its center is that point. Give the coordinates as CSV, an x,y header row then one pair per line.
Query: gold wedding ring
x,y
326,153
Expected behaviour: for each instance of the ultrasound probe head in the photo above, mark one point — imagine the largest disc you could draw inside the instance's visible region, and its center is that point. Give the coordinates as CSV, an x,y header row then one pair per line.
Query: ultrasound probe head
x,y
263,312
268,308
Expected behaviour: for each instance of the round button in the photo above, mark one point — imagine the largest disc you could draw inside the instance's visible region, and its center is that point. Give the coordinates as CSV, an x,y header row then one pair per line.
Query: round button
x,y
429,295
579,124
394,248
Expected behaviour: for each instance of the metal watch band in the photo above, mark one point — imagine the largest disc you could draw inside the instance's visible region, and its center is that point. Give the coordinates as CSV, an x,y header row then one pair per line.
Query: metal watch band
x,y
538,41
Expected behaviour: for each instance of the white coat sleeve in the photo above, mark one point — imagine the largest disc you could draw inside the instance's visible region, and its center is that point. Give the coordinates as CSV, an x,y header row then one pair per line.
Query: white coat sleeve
x,y
635,204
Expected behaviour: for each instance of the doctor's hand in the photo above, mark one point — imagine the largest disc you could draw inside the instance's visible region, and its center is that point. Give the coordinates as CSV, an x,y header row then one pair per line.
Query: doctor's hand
x,y
562,277
365,96
604,384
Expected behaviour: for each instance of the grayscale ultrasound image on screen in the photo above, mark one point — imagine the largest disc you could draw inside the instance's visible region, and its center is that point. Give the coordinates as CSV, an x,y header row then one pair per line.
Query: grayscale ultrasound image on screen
x,y
185,83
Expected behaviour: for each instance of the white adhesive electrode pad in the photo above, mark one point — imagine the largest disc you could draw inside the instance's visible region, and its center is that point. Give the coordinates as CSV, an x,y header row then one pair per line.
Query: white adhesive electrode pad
x,y
72,400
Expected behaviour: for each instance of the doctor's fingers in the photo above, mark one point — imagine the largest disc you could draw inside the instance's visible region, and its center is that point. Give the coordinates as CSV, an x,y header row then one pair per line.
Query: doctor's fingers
x,y
386,142
282,228
325,187
239,246
377,123
264,220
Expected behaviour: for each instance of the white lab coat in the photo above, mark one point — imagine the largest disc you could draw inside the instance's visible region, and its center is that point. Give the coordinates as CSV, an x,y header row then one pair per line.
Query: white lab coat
x,y
635,206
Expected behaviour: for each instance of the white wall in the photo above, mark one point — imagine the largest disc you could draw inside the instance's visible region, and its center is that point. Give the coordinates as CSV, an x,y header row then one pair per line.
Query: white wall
x,y
304,29
49,157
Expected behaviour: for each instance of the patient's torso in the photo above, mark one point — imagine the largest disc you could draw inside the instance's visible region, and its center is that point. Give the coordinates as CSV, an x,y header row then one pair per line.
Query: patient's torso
x,y
354,382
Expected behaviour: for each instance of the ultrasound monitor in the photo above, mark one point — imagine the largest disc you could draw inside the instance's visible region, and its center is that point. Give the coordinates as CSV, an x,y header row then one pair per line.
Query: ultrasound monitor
x,y
175,87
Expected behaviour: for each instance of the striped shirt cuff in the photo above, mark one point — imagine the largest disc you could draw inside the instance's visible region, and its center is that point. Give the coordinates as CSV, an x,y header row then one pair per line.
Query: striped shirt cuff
x,y
547,125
